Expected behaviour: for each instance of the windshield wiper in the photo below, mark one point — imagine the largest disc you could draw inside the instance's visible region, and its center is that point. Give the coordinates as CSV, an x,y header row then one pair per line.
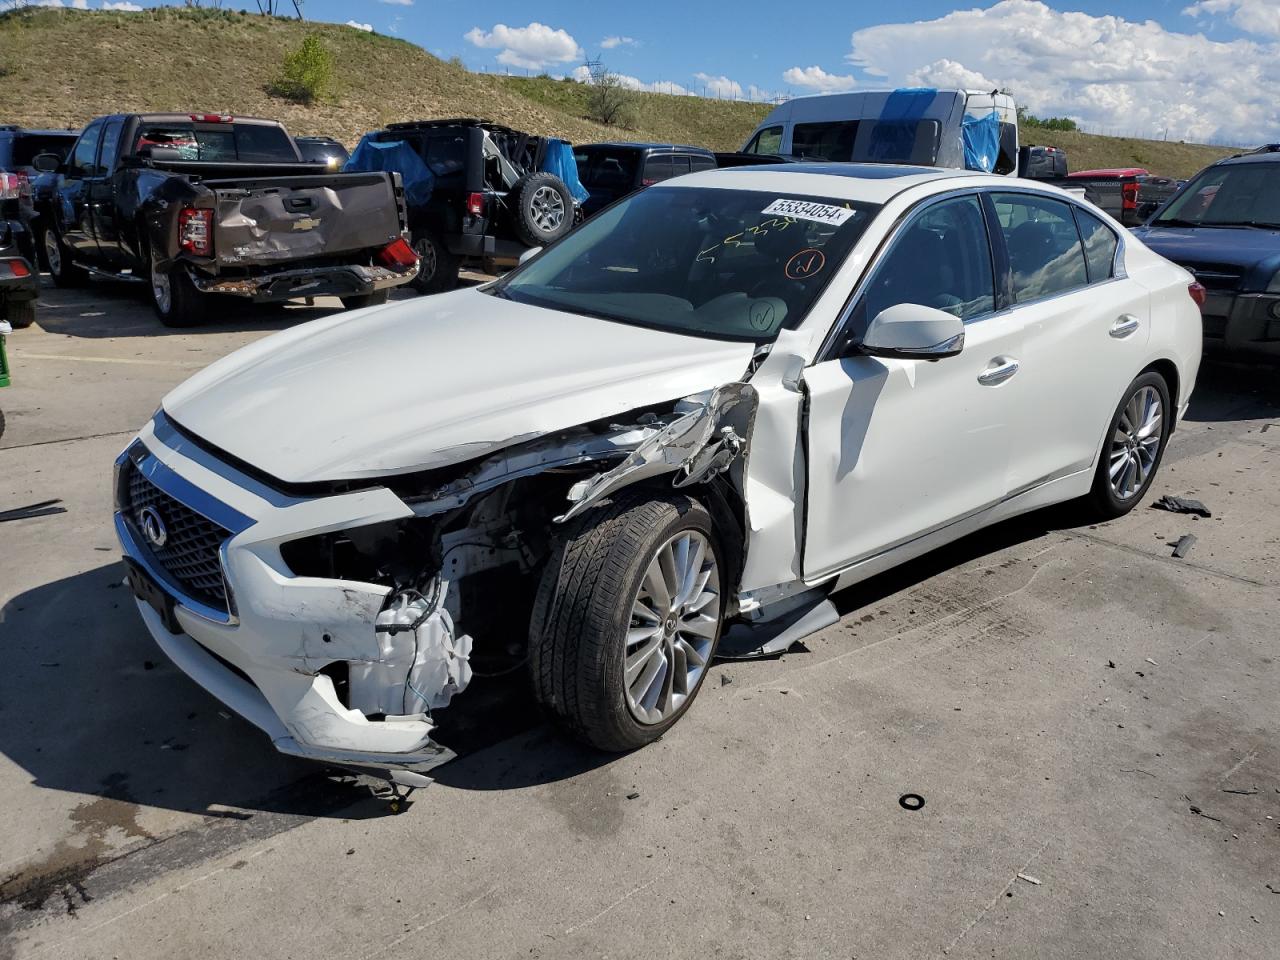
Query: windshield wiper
x,y
1256,224
1175,222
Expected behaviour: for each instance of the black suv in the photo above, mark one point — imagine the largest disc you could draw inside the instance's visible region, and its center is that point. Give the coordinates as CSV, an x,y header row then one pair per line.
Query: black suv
x,y
610,171
24,189
474,189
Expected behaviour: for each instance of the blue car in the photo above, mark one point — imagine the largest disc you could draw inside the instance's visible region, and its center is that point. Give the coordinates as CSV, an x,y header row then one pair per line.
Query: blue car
x,y
1224,226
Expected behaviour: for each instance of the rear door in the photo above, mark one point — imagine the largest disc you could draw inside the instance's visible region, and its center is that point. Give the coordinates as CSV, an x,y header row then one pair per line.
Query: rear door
x,y
901,448
102,196
75,220
1086,332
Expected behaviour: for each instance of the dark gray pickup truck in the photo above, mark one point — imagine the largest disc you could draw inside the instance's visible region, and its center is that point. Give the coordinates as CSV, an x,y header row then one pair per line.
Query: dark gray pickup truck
x,y
203,205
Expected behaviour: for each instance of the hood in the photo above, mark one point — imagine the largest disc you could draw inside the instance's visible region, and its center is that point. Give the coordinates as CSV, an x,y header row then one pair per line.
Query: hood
x,y
1249,251
432,381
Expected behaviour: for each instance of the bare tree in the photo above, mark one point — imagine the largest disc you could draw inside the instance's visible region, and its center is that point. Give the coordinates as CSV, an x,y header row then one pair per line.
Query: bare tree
x,y
275,8
609,100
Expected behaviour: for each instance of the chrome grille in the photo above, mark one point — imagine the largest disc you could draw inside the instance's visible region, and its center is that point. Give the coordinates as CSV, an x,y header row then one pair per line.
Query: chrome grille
x,y
190,554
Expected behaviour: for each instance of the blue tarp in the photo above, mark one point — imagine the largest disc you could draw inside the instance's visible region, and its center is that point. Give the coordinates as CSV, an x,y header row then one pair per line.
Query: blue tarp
x,y
558,159
893,139
395,156
981,141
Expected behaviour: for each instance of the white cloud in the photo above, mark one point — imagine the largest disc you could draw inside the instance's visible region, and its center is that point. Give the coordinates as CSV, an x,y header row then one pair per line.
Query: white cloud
x,y
108,5
609,43
815,78
366,27
583,75
1105,72
531,47
720,86
1252,16
398,3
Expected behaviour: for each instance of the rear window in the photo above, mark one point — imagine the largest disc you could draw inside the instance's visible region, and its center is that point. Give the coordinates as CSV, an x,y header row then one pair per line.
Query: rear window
x,y
446,155
607,169
220,143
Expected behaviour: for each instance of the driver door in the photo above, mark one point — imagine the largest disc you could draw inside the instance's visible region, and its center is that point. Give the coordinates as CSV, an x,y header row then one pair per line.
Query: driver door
x,y
899,448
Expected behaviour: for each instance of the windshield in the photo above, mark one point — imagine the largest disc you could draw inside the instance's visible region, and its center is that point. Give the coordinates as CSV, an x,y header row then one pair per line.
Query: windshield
x,y
224,143
730,264
1237,194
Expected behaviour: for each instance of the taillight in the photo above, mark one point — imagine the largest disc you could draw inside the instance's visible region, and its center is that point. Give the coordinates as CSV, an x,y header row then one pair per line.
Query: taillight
x,y
212,118
195,231
10,186
646,182
1129,196
16,267
1197,292
398,255
475,204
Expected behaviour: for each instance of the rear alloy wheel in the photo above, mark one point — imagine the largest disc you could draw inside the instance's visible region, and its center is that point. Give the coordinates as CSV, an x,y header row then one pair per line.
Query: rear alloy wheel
x,y
627,619
437,267
175,298
1134,447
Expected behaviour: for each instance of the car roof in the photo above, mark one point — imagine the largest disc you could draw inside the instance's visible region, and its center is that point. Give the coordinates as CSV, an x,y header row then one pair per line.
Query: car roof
x,y
1251,158
868,182
31,131
625,144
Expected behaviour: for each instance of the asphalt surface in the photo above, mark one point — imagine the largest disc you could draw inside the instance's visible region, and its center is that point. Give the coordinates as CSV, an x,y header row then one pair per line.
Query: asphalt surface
x,y
1092,725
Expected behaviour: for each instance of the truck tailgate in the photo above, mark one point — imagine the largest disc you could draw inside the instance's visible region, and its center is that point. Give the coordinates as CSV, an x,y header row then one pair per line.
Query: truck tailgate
x,y
300,218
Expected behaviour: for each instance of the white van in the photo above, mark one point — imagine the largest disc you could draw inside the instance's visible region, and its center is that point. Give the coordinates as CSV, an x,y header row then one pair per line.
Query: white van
x,y
925,127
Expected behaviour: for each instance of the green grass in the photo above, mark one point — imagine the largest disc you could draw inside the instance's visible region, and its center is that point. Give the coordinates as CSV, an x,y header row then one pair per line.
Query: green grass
x,y
62,67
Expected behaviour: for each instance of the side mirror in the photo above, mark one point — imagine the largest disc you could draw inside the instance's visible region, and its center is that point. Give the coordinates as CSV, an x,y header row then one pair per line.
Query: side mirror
x,y
46,162
529,255
910,331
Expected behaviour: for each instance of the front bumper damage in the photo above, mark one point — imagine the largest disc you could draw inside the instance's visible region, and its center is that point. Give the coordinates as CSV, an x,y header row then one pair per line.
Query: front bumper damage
x,y
351,673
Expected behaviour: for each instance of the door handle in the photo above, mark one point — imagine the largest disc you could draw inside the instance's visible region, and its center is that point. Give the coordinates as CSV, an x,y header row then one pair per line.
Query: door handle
x,y
998,371
1125,325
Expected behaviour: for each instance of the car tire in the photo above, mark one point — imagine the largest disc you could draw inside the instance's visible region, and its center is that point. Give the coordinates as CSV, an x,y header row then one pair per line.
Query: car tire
x,y
375,299
175,298
608,661
20,313
57,257
437,267
544,209
1132,451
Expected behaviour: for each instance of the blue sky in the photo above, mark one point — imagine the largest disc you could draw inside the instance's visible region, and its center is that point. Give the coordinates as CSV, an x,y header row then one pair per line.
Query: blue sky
x,y
1187,69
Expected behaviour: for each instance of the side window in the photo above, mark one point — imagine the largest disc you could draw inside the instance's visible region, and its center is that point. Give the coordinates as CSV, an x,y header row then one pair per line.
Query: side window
x,y
446,155
657,169
940,259
1099,246
110,147
84,158
768,140
1007,158
702,163
1045,252
824,141
679,164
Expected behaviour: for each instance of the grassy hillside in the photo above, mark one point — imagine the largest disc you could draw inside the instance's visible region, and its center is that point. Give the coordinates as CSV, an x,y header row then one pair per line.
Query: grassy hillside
x,y
60,67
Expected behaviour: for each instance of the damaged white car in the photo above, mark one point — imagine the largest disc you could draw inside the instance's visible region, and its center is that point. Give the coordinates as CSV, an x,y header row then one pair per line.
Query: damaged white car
x,y
679,428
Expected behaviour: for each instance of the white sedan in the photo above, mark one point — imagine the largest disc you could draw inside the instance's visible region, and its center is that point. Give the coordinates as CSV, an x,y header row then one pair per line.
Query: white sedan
x,y
677,430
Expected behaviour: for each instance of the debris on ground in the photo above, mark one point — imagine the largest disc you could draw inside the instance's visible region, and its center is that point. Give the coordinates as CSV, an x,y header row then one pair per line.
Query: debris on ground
x,y
1152,662
1184,545
911,801
1200,813
634,796
1028,878
1111,664
1182,505
1244,793
45,508
725,679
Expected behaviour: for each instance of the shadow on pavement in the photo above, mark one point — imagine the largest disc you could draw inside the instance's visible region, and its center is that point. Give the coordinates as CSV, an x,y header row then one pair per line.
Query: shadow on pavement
x,y
1228,390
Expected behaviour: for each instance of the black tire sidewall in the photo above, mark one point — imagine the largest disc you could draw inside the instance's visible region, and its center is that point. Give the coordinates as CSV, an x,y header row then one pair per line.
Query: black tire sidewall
x,y
186,303
69,275
618,729
445,275
1106,504
21,313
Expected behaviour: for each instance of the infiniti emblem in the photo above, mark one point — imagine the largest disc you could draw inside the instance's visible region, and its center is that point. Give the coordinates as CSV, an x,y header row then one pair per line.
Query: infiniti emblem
x,y
152,526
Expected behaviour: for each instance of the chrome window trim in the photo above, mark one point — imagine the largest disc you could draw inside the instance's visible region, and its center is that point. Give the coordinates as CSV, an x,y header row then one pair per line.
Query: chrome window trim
x,y
829,342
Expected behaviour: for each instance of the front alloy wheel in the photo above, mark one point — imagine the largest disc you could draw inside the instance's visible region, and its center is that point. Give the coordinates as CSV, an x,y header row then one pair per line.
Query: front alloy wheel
x,y
674,621
627,618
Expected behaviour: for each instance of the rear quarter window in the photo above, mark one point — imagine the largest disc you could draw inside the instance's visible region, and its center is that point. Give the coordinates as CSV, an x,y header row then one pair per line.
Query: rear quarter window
x,y
1099,246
